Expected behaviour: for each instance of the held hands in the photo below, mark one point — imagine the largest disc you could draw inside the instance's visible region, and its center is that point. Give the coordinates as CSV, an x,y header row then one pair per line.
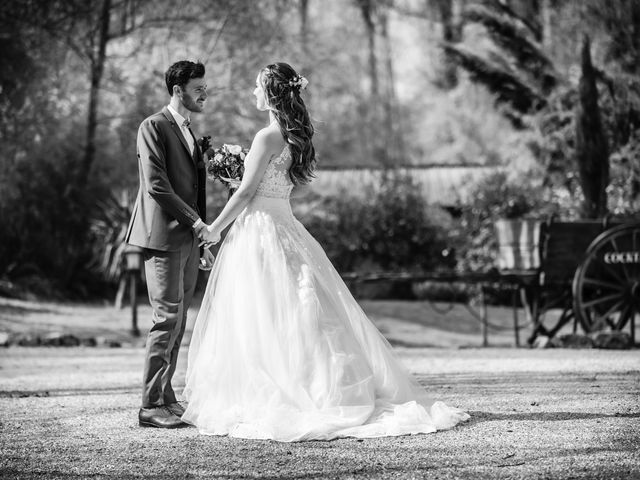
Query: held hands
x,y
206,260
207,238
209,235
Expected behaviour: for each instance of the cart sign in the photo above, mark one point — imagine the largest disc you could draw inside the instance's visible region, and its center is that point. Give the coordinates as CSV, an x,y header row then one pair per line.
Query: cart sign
x,y
621,257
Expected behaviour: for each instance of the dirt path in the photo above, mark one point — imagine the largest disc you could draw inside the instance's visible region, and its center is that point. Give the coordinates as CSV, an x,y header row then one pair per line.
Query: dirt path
x,y
71,413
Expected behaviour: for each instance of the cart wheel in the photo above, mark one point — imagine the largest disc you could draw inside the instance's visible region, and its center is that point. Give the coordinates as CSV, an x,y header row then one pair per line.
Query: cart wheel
x,y
606,285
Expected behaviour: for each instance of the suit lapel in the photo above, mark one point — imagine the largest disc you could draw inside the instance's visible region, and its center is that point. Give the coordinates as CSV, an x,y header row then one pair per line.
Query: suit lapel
x,y
197,152
177,131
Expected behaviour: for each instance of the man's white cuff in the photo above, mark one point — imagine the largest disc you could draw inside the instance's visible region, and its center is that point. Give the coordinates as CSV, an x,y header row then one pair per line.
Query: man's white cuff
x,y
197,223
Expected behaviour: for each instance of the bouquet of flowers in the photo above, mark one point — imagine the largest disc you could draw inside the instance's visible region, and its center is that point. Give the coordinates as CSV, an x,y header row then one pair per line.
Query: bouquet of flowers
x,y
226,163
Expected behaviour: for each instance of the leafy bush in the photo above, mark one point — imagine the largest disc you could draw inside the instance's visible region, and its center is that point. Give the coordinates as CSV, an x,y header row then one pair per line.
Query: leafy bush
x,y
496,196
109,227
45,236
435,291
619,100
624,188
390,227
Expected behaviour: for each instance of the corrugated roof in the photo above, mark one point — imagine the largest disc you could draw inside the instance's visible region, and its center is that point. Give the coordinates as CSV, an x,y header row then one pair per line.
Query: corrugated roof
x,y
440,185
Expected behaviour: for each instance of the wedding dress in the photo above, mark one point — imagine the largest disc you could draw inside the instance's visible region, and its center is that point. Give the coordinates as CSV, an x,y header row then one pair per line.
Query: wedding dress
x,y
281,350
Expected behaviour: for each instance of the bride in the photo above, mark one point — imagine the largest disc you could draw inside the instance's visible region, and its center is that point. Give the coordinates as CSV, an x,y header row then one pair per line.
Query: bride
x,y
280,349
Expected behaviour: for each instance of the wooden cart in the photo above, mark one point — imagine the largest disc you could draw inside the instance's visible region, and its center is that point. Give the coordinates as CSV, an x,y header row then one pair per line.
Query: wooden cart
x,y
590,271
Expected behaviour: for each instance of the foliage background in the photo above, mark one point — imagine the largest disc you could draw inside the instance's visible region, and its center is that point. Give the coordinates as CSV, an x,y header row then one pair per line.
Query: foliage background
x,y
393,82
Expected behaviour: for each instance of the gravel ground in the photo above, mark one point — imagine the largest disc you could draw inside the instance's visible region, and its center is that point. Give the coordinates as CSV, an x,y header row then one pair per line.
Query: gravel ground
x,y
71,413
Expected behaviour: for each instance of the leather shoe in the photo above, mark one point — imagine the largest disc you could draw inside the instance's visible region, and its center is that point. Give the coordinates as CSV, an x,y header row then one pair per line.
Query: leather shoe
x,y
159,417
176,408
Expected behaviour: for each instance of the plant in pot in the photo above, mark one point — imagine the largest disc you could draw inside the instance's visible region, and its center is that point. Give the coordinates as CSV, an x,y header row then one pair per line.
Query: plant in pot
x,y
504,222
517,223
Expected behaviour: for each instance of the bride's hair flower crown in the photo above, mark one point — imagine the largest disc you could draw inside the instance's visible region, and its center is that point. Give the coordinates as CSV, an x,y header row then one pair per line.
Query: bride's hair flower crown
x,y
299,81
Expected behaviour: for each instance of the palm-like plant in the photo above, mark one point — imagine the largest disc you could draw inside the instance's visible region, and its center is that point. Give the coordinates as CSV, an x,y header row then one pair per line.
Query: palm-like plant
x,y
519,73
109,229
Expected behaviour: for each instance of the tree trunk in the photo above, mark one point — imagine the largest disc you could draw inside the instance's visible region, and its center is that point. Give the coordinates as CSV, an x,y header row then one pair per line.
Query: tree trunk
x,y
592,153
545,20
366,9
451,33
304,27
307,63
391,117
374,141
97,59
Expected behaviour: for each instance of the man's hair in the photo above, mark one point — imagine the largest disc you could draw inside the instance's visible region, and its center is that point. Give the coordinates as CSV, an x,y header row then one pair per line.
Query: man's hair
x,y
181,72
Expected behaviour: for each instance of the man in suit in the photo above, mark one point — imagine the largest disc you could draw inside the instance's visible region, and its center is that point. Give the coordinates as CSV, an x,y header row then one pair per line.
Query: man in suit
x,y
167,220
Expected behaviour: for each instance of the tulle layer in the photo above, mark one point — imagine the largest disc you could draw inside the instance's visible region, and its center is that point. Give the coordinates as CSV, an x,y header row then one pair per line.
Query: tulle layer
x,y
281,350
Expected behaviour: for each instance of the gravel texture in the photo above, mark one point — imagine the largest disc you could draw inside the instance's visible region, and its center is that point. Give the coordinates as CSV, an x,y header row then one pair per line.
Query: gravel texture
x,y
71,413
552,413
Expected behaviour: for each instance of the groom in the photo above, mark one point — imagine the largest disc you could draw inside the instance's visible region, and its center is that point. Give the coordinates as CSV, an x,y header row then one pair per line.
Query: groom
x,y
167,221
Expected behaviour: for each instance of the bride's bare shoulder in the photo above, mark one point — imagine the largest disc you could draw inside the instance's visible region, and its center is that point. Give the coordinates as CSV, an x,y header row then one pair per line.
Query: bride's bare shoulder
x,y
269,139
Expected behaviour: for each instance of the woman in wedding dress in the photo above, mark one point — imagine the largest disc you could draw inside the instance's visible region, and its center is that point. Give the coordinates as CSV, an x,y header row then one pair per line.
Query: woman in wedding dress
x,y
280,349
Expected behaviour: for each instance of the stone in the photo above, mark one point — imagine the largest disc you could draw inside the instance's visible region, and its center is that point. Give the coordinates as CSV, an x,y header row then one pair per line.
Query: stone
x,y
574,340
613,340
59,339
555,342
541,341
88,342
28,340
5,339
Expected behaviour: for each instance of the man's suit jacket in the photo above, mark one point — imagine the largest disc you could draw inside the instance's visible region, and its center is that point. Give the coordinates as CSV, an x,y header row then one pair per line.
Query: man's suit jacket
x,y
172,186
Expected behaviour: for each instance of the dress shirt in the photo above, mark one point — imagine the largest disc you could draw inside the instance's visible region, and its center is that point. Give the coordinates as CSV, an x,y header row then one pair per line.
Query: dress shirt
x,y
183,129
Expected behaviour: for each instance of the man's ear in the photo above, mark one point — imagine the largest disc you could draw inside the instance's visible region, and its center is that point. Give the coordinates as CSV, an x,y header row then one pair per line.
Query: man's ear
x,y
177,90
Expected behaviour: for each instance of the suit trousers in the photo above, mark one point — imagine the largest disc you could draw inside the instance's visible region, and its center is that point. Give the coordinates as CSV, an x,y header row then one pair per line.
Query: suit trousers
x,y
171,281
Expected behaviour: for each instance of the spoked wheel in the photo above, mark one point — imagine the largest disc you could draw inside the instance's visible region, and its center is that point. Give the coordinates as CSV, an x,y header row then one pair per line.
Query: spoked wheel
x,y
606,285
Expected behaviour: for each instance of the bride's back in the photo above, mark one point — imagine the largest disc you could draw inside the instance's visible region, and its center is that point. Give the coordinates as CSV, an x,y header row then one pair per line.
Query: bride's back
x,y
276,182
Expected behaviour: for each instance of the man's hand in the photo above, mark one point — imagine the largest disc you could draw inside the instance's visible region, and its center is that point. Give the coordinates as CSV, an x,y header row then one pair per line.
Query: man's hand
x,y
206,260
210,236
200,229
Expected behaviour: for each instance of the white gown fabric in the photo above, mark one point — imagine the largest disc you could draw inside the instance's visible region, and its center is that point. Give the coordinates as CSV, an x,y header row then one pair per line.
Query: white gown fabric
x,y
281,350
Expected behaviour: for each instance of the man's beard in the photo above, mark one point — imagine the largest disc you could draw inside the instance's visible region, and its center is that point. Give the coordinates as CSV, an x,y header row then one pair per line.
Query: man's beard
x,y
189,103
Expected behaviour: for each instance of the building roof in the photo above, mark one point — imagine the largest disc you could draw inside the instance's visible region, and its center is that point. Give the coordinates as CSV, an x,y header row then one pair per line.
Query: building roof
x,y
441,185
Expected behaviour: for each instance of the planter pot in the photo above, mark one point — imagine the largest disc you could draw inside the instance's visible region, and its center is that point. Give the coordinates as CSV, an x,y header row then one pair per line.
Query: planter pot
x,y
518,244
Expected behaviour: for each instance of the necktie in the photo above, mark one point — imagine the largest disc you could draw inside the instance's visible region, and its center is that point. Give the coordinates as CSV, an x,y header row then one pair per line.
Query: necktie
x,y
186,123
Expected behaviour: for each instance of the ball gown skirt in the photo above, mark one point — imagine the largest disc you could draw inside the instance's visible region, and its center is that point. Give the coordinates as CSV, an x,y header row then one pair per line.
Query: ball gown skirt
x,y
281,350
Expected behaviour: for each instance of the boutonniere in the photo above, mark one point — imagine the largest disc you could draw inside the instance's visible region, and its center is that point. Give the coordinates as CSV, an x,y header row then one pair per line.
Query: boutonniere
x,y
205,144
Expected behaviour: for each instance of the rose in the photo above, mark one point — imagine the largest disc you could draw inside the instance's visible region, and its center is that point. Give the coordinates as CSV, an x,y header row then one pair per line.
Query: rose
x,y
233,149
226,164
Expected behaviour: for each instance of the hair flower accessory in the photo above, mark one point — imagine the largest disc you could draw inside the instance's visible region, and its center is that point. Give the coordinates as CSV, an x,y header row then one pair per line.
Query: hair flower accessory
x,y
299,81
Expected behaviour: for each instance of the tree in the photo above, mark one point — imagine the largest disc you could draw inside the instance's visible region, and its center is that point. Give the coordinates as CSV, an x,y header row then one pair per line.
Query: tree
x,y
451,33
592,153
86,31
523,75
368,12
621,20
382,105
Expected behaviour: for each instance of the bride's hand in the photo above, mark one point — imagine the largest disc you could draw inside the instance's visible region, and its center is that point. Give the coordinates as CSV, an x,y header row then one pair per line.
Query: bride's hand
x,y
211,235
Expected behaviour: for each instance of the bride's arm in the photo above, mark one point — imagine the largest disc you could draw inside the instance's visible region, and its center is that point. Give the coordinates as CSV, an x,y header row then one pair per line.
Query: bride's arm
x,y
261,151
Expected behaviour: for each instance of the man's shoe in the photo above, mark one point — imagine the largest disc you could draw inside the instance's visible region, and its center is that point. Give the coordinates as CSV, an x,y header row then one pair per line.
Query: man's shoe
x,y
159,417
176,408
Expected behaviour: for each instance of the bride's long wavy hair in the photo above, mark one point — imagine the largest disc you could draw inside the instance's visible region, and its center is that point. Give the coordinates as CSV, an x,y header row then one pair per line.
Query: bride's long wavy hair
x,y
281,85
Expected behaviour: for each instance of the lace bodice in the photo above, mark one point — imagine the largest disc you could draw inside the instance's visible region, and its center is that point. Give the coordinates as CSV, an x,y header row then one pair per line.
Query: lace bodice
x,y
276,182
